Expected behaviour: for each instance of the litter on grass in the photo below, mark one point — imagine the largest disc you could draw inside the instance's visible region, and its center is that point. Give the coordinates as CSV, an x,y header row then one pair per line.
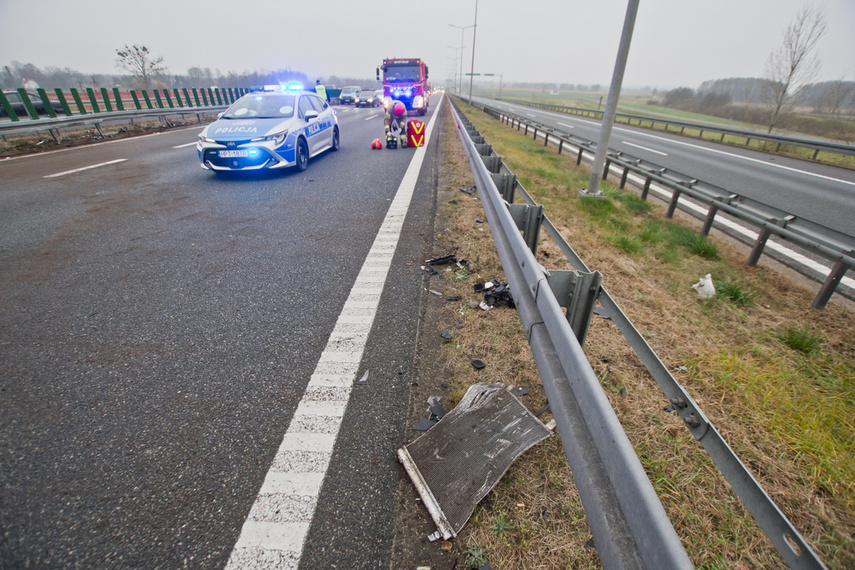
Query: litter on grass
x,y
455,464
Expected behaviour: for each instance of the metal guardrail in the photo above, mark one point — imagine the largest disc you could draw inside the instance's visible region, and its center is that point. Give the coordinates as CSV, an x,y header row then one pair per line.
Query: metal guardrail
x,y
815,145
98,108
629,524
583,415
834,246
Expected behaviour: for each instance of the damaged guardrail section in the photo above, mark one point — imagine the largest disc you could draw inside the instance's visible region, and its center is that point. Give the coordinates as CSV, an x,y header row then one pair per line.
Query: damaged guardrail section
x,y
627,520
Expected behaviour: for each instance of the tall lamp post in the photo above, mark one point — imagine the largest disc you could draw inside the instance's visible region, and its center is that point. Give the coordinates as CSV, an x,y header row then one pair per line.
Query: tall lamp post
x,y
462,29
593,188
472,70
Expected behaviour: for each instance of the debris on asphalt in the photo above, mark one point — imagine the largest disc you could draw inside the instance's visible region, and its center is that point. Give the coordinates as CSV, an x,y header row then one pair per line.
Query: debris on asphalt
x,y
477,442
364,378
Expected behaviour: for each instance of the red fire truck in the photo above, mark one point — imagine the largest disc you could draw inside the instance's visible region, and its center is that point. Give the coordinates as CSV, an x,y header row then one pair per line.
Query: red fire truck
x,y
405,80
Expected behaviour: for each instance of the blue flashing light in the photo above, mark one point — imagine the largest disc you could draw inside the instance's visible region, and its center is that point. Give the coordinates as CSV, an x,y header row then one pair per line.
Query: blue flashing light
x,y
295,86
253,151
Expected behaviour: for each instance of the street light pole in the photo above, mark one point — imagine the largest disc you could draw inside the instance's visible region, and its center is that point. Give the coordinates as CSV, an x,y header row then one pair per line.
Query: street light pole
x,y
462,29
611,104
472,70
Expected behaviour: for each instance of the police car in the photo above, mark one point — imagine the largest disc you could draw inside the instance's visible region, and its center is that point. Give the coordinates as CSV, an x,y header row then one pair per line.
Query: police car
x,y
274,128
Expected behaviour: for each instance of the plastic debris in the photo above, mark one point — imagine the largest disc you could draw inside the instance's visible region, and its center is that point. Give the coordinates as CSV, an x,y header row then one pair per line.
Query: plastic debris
x,y
364,378
445,335
442,260
437,293
469,190
669,409
495,292
477,364
705,287
519,392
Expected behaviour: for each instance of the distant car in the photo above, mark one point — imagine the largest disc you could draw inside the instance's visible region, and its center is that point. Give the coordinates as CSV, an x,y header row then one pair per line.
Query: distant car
x,y
18,106
269,130
367,98
348,94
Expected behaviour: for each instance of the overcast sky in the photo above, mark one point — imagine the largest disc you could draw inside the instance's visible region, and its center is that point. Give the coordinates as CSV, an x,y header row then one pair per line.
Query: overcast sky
x,y
675,43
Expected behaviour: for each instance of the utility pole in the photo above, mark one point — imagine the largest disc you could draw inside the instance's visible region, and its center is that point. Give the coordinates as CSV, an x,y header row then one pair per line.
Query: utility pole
x,y
472,70
462,29
593,188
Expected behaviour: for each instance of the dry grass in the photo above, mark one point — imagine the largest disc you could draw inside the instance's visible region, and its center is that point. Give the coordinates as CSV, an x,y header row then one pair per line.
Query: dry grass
x,y
788,415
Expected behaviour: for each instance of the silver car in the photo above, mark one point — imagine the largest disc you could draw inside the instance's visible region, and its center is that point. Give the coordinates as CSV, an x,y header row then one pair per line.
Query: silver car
x,y
268,130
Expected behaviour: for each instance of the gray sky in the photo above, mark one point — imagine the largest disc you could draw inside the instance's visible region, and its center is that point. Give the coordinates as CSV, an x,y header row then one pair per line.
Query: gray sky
x,y
676,42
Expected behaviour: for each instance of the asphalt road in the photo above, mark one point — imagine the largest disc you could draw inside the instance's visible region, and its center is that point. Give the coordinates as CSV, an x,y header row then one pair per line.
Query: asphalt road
x,y
158,327
820,193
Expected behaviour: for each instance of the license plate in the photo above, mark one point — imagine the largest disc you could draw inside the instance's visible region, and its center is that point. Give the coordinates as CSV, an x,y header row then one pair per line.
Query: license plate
x,y
232,154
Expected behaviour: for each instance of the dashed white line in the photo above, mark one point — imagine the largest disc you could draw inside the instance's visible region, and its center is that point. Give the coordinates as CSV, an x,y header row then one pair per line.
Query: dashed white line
x,y
184,145
748,158
566,125
646,148
86,168
278,522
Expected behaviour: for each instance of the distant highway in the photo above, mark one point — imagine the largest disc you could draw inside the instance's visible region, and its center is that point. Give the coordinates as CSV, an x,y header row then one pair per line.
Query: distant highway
x,y
817,192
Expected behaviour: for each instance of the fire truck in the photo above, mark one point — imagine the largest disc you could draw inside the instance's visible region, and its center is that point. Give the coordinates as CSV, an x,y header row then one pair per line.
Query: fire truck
x,y
405,80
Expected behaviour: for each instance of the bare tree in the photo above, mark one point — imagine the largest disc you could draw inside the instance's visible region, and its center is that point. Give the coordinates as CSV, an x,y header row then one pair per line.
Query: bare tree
x,y
140,63
793,64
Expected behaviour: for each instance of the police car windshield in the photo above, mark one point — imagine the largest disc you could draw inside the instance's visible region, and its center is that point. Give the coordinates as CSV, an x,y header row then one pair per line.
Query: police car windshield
x,y
262,107
402,74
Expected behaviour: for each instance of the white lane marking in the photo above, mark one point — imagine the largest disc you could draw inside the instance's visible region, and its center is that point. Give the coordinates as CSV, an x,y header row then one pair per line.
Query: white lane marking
x,y
369,117
184,145
275,530
645,148
566,125
85,168
530,115
747,158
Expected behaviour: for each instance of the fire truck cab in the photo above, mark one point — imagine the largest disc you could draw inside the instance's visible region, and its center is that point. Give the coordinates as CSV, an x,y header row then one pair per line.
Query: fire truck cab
x,y
405,80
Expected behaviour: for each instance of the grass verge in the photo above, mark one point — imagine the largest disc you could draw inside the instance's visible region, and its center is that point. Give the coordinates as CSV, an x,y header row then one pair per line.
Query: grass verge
x,y
774,376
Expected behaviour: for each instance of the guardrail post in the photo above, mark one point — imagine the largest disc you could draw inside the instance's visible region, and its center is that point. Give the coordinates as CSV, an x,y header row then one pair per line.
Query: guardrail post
x,y
105,97
48,107
831,283
507,185
525,133
78,101
528,220
484,149
675,197
493,163
576,291
92,101
27,103
8,108
763,237
61,98
708,223
560,144
579,156
119,105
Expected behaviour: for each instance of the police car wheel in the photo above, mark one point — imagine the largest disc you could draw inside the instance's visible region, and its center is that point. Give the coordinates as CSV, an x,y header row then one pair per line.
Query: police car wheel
x,y
302,155
336,139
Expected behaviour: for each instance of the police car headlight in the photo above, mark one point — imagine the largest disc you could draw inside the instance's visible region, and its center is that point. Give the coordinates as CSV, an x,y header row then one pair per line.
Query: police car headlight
x,y
276,138
205,139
